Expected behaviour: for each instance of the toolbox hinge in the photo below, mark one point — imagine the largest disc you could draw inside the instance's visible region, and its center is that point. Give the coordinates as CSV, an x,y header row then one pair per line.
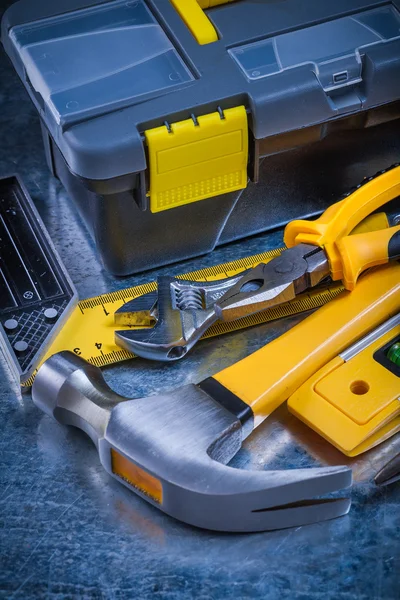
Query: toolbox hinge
x,y
198,158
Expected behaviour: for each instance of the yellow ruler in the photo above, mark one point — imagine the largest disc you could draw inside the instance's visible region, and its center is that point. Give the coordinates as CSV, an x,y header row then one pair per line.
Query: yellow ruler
x,y
89,332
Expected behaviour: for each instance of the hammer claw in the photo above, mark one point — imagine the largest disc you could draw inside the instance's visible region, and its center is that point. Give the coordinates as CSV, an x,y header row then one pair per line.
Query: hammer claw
x,y
299,514
249,501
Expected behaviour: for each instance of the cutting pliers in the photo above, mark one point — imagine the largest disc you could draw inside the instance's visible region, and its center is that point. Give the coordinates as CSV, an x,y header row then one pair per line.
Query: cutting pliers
x,y
184,310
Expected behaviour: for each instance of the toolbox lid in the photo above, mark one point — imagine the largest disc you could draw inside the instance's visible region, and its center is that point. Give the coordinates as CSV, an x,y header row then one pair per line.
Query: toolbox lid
x,y
85,60
333,49
102,73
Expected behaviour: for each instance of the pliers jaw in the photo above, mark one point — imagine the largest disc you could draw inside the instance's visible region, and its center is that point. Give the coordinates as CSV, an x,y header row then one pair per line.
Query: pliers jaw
x,y
316,249
275,282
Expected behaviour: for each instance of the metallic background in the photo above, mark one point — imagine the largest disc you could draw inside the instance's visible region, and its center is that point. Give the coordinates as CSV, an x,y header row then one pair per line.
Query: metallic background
x,y
67,530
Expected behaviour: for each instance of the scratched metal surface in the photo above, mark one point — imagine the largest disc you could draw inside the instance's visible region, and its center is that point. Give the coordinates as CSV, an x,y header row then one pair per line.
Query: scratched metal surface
x,y
67,530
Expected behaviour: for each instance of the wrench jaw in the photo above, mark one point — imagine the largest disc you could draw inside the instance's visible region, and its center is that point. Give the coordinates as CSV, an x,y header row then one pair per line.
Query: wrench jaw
x,y
169,339
183,311
177,446
139,312
153,342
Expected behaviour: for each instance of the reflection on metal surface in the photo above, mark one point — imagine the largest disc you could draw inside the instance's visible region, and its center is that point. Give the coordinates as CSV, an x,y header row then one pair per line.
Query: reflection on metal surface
x,y
283,441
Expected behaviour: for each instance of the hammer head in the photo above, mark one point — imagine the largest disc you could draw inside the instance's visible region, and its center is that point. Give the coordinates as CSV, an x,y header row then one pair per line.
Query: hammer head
x,y
172,449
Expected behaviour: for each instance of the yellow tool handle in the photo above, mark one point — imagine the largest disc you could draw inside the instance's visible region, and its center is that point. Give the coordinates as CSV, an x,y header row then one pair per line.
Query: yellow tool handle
x,y
268,377
339,220
365,250
372,223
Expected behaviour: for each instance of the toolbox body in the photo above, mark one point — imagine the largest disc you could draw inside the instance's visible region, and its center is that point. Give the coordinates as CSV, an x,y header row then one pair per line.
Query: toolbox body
x,y
170,144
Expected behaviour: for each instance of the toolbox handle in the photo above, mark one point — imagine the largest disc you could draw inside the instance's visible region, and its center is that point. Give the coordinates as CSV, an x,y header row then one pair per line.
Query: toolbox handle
x,y
192,13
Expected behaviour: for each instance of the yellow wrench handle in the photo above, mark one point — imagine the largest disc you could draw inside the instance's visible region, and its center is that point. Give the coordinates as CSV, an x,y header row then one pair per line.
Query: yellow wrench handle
x,y
339,220
268,377
365,250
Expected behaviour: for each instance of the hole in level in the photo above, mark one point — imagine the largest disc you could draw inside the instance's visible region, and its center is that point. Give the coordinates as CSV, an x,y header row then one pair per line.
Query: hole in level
x,y
177,352
252,286
359,387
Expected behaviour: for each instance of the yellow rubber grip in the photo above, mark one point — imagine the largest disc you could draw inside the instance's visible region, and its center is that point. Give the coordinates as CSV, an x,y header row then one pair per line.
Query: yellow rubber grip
x,y
365,250
268,377
339,220
372,223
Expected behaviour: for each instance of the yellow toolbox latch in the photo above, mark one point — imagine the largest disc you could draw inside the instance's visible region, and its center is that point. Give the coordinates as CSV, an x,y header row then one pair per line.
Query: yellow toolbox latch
x,y
197,158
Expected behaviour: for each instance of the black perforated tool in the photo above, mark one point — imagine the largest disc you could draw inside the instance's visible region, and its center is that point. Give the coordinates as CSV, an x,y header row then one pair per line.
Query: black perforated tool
x,y
36,294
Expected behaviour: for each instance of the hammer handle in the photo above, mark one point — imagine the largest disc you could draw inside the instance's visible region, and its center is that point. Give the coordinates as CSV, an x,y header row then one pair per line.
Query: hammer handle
x,y
268,377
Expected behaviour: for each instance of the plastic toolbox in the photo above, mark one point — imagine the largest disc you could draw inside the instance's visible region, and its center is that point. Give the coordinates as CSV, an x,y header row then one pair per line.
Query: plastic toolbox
x,y
176,127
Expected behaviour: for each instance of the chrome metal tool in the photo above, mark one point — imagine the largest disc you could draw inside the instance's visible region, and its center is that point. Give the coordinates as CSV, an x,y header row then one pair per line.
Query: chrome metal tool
x,y
184,310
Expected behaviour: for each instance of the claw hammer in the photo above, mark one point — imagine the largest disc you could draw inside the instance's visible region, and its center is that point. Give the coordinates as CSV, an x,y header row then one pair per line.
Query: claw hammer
x,y
173,449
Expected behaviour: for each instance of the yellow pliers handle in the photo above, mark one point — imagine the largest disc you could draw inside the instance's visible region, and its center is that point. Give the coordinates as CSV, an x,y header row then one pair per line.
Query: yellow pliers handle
x,y
351,255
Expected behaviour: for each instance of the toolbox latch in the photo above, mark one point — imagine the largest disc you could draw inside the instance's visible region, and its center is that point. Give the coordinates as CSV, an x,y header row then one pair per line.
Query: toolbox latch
x,y
339,78
198,158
